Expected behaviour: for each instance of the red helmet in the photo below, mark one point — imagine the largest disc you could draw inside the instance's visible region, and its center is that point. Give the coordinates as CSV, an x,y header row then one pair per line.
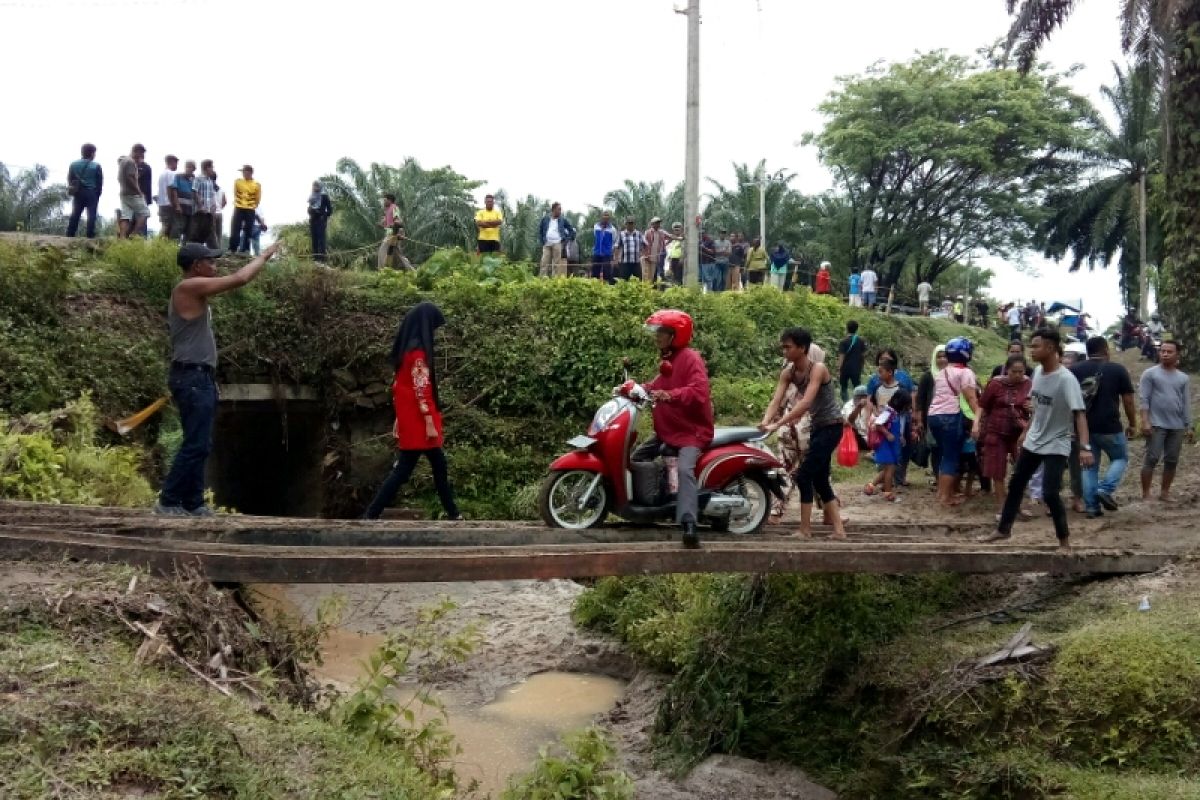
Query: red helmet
x,y
677,321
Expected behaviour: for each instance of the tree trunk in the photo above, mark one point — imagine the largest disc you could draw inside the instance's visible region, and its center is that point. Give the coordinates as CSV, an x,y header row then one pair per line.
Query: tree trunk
x,y
1177,287
1143,270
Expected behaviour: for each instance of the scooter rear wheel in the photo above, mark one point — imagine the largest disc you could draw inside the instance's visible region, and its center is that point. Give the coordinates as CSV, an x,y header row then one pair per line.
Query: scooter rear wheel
x,y
756,492
558,501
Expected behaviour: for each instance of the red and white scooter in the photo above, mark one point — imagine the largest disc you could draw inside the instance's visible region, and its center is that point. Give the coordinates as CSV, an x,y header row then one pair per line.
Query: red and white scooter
x,y
736,474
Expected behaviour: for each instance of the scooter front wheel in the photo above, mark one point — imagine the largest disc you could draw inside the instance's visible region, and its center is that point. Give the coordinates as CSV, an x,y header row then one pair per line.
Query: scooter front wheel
x,y
562,504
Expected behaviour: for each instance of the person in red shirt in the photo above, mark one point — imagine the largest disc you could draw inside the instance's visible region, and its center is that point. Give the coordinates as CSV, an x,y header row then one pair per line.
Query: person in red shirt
x,y
418,428
683,412
823,278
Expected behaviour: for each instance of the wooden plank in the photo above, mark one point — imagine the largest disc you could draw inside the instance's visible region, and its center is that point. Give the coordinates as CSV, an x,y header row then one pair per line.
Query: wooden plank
x,y
253,564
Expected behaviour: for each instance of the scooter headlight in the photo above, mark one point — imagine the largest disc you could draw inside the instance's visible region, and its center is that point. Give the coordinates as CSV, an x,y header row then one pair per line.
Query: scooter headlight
x,y
604,415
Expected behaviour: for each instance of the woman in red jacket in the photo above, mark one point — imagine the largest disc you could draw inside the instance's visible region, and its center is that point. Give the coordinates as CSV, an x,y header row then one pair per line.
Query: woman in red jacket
x,y
418,429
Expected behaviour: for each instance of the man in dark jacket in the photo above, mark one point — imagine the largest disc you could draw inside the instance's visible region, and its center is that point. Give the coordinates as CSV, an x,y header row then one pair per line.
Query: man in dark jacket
x,y
554,232
319,209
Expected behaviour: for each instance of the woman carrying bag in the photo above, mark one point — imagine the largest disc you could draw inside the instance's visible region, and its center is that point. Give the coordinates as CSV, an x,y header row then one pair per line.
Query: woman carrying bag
x,y
954,387
418,428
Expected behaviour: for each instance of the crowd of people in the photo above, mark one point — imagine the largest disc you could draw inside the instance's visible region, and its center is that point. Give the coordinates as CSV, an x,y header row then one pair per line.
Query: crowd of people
x,y
190,202
1050,409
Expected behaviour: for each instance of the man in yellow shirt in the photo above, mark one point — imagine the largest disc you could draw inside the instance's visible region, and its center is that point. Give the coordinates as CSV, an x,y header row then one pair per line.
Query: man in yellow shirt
x,y
488,220
756,262
247,193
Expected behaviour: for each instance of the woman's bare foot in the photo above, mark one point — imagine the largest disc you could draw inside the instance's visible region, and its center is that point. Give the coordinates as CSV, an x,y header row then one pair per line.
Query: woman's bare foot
x,y
803,534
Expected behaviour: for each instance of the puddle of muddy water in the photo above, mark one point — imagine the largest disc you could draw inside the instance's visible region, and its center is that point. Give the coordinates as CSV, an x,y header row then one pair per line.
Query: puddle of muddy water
x,y
499,738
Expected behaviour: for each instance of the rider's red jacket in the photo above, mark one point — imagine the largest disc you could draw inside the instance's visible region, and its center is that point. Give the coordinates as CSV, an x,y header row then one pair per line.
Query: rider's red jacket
x,y
686,420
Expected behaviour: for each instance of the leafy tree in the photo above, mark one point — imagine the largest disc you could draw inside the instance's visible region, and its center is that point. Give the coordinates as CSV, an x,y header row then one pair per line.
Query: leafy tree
x,y
1107,212
28,203
436,205
520,233
940,157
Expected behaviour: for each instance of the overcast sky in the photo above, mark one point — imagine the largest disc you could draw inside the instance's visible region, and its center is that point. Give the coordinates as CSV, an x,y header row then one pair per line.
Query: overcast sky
x,y
562,100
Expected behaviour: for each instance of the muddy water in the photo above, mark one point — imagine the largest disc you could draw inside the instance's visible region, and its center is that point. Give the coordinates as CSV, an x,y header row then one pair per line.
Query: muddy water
x,y
498,738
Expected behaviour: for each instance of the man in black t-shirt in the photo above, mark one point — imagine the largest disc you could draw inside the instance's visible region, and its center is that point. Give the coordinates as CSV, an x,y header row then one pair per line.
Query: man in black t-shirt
x,y
853,351
1106,387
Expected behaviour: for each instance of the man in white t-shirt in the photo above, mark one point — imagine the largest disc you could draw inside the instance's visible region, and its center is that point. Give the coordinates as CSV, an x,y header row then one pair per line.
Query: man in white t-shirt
x,y
1013,318
923,290
166,212
870,284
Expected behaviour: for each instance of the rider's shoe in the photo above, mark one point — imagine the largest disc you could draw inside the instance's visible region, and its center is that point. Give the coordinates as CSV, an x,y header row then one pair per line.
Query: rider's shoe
x,y
691,539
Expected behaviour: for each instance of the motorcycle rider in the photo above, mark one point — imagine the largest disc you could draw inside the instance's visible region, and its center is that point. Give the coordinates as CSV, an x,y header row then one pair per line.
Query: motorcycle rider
x,y
1154,332
683,412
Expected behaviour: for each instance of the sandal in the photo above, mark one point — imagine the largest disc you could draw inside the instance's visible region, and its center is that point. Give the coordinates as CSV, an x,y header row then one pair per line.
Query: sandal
x,y
891,497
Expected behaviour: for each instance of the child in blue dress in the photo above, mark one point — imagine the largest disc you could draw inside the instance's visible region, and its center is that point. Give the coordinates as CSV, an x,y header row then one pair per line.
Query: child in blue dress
x,y
888,429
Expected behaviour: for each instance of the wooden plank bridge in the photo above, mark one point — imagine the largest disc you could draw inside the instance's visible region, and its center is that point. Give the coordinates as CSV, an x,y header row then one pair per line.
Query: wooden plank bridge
x,y
247,549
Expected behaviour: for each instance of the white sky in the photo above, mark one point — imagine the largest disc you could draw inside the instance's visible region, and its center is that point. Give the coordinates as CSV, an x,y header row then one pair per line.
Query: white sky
x,y
562,100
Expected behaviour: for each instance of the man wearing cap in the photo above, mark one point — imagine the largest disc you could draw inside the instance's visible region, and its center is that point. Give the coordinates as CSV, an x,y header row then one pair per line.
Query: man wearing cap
x,y
134,210
166,211
654,250
247,194
604,244
629,251
193,364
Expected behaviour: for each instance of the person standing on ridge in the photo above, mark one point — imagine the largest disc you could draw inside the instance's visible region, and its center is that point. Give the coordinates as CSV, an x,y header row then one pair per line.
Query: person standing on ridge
x,y
870,284
166,211
320,209
554,231
415,397
134,211
193,366
629,251
823,283
85,183
247,194
923,290
488,221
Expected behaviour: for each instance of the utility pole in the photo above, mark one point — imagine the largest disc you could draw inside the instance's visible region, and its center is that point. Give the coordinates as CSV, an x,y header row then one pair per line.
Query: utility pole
x,y
762,203
691,173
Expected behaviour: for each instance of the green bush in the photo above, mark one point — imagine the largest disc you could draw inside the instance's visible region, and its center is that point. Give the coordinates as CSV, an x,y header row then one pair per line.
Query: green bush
x,y
584,770
54,458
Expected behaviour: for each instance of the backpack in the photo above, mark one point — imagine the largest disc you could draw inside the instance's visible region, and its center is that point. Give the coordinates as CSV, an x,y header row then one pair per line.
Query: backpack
x,y
1090,387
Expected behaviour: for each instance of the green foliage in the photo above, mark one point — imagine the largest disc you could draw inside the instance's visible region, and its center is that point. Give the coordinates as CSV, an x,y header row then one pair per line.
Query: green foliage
x,y
583,771
54,458
754,658
941,157
376,710
28,203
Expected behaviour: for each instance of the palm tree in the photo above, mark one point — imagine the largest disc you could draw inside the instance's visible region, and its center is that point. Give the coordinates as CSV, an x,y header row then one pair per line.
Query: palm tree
x,y
737,207
27,203
644,201
1108,214
436,205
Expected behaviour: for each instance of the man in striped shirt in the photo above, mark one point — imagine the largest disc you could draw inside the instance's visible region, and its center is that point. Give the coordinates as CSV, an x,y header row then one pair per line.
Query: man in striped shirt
x,y
630,247
204,196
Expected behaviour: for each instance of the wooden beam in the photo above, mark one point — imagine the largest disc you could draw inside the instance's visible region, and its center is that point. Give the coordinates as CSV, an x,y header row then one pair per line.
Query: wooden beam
x,y
265,564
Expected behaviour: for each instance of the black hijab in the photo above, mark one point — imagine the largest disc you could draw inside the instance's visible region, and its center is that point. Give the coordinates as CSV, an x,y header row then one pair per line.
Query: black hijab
x,y
416,331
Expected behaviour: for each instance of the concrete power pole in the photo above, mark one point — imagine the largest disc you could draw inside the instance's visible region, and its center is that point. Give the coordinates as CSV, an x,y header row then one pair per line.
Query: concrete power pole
x,y
691,174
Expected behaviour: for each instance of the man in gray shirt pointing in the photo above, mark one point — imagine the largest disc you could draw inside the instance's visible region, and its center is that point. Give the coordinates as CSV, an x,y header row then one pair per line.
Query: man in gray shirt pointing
x,y
1165,397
